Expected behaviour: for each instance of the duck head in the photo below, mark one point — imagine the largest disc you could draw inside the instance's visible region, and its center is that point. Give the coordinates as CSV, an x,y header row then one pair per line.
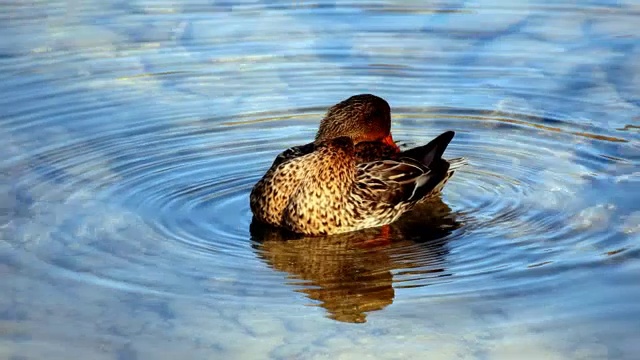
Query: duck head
x,y
362,118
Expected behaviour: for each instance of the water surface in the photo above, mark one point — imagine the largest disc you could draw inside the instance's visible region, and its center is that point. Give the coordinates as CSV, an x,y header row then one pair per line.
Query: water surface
x,y
133,131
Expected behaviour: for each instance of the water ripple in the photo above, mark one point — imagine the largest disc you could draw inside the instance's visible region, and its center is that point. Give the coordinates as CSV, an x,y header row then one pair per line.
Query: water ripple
x,y
189,185
132,171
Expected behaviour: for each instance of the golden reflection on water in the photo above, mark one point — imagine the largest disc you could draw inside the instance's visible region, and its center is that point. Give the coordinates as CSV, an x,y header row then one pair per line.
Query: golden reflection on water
x,y
350,274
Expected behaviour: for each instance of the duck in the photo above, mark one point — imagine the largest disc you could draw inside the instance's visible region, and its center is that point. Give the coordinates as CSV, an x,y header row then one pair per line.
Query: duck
x,y
353,176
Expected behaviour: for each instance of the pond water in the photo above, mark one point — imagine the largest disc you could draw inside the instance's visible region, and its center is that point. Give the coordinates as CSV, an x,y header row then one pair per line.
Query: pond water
x,y
133,131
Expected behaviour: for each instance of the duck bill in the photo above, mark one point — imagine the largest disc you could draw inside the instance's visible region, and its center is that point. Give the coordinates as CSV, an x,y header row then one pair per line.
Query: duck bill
x,y
389,141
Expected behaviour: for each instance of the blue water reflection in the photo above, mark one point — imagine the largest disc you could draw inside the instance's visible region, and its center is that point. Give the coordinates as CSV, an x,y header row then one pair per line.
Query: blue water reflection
x,y
133,132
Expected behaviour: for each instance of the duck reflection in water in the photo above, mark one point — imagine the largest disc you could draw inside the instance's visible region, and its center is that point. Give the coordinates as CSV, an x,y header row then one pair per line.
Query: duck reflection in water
x,y
350,274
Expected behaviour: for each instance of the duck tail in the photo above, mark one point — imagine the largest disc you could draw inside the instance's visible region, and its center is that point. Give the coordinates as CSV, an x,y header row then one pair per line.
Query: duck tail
x,y
430,153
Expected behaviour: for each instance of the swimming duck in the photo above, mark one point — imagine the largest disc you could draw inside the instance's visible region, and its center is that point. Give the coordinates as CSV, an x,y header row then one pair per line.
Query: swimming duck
x,y
352,176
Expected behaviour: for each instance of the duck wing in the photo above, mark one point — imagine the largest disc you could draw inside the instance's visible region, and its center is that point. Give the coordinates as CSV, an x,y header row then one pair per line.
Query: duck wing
x,y
395,181
412,175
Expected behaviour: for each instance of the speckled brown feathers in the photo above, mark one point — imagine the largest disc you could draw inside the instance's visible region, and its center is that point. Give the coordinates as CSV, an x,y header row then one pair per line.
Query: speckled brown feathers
x,y
318,206
352,176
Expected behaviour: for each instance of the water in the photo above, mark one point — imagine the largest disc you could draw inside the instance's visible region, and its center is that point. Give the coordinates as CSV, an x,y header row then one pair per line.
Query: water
x,y
133,131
